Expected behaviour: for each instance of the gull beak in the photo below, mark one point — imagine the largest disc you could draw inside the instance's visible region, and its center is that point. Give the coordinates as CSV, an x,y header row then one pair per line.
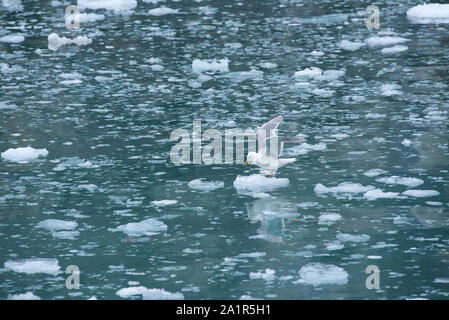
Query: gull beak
x,y
246,163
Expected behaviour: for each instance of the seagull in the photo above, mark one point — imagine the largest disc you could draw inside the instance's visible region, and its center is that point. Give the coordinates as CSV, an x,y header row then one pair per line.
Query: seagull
x,y
270,163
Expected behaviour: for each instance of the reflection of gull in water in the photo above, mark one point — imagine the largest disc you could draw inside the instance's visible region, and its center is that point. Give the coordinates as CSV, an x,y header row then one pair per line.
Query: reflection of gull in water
x,y
271,213
270,162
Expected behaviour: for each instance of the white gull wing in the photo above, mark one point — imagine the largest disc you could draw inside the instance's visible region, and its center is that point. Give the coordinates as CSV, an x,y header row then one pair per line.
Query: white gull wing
x,y
267,131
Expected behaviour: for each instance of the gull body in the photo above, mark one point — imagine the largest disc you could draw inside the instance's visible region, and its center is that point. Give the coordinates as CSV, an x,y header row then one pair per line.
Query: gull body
x,y
270,163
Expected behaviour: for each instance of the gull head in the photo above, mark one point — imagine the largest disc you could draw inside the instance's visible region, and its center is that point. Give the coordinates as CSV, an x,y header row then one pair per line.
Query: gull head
x,y
251,158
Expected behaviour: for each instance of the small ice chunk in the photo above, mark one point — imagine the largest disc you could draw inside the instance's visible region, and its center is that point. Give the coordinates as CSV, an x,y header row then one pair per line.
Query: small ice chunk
x,y
406,142
55,41
148,227
335,245
200,184
149,294
112,5
305,148
328,218
309,73
379,194
374,172
55,224
390,89
258,183
351,45
267,275
12,5
316,53
429,13
162,11
394,49
12,38
342,188
23,154
409,182
316,274
420,193
346,237
32,266
199,66
384,41
23,296
163,203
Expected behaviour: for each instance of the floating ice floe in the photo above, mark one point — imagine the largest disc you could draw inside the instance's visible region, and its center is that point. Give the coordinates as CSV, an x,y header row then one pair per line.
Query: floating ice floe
x,y
163,203
12,38
406,142
6,68
351,45
394,49
23,296
149,294
388,41
55,41
113,5
251,255
305,148
56,225
344,189
199,184
374,172
316,53
309,73
429,13
379,194
190,251
316,274
32,266
90,17
23,154
147,227
12,5
267,275
335,245
409,182
318,74
390,89
162,11
258,183
328,218
199,66
346,237
420,193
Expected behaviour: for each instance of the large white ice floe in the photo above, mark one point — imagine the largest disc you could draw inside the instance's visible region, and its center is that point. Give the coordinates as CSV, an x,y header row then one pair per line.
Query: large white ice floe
x,y
163,203
112,5
12,38
147,227
374,172
316,274
394,49
23,154
200,184
55,41
149,294
199,66
258,183
429,13
32,266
